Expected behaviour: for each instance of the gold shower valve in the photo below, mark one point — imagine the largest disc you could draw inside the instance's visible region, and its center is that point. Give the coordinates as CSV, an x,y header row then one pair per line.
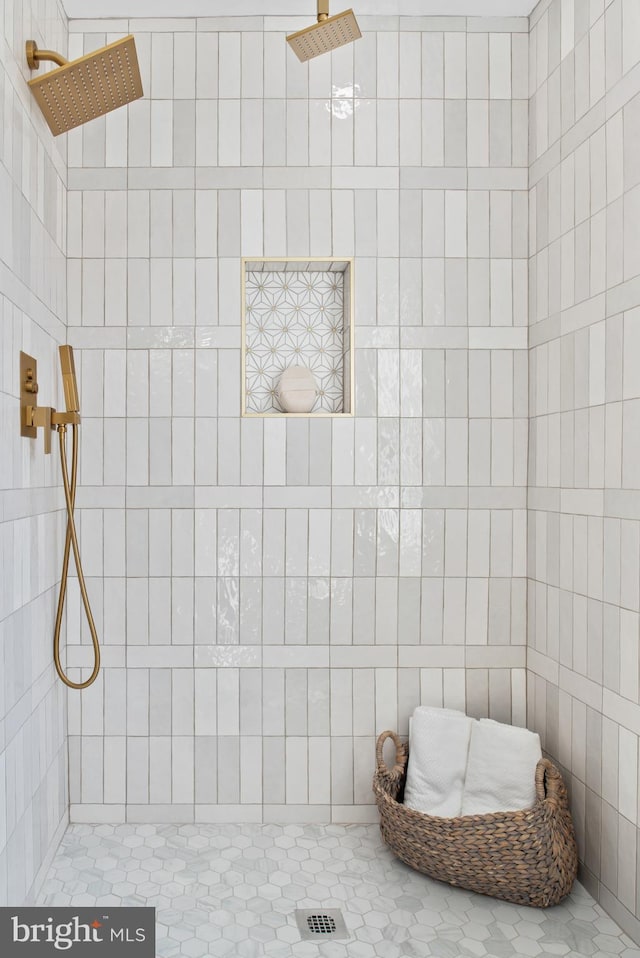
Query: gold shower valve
x,y
28,394
33,416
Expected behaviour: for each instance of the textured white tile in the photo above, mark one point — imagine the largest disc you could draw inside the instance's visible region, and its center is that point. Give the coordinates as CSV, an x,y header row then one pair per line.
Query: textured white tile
x,y
296,789
388,65
432,133
477,66
432,65
500,66
455,79
630,34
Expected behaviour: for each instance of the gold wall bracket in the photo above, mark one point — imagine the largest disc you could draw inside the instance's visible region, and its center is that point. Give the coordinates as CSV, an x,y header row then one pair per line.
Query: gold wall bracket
x,y
35,56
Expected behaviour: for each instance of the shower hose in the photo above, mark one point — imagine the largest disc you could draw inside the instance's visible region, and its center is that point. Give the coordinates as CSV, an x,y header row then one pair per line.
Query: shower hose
x,y
71,541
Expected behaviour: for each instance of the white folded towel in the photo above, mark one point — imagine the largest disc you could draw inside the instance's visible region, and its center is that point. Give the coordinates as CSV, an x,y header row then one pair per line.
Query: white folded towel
x,y
438,750
501,768
433,709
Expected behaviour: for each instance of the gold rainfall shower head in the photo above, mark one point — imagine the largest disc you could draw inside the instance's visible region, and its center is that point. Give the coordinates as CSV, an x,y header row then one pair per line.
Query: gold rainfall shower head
x,y
85,88
327,34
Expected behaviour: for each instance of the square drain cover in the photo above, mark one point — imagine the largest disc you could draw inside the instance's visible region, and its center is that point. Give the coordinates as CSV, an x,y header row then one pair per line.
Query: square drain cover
x,y
320,923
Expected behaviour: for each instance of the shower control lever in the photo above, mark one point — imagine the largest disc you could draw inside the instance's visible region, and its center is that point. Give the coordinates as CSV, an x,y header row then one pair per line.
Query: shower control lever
x,y
41,416
49,418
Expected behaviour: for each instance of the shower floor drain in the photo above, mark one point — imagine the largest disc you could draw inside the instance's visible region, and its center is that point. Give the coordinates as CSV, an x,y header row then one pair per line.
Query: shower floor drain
x,y
315,923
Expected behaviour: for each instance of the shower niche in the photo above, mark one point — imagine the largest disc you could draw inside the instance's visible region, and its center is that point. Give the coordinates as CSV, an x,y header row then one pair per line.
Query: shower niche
x,y
297,313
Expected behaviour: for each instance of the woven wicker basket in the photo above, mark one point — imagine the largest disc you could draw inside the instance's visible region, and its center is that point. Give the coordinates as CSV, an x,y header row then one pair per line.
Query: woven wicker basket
x,y
528,857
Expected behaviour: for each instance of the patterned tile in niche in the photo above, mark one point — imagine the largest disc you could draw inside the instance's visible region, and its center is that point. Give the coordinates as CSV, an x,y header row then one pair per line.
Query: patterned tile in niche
x,y
294,318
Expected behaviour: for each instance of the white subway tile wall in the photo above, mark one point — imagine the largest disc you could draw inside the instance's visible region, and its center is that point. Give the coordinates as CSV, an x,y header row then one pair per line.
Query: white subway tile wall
x,y
33,175
584,469
271,594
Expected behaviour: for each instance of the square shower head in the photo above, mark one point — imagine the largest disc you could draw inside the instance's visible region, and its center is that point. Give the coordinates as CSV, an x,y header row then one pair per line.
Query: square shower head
x,y
89,87
327,35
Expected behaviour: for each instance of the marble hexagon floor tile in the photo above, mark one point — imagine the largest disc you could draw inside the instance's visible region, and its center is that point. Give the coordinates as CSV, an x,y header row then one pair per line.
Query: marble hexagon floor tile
x,y
231,890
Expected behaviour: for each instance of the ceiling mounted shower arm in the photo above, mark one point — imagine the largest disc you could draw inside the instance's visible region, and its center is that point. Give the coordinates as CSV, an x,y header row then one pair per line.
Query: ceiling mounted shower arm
x,y
35,56
323,10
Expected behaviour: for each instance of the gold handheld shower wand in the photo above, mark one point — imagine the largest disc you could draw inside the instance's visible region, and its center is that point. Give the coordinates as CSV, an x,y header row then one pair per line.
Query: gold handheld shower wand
x,y
72,403
69,382
33,416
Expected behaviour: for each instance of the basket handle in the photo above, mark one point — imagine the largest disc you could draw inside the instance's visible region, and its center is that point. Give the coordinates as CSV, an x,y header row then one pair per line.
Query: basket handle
x,y
401,755
549,783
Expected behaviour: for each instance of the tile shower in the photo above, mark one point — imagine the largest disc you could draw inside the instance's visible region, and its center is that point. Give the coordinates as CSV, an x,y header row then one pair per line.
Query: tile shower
x,y
292,586
271,592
